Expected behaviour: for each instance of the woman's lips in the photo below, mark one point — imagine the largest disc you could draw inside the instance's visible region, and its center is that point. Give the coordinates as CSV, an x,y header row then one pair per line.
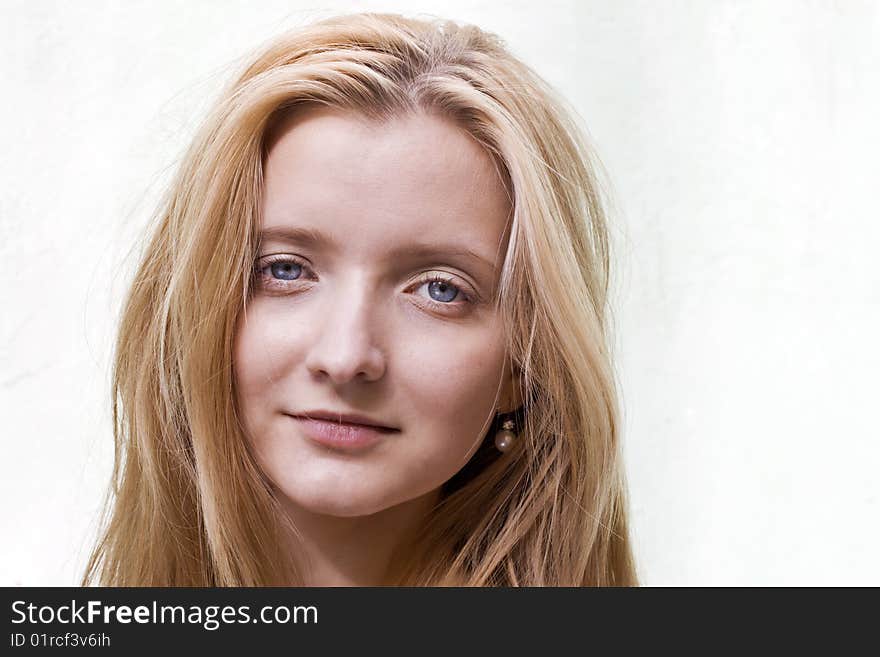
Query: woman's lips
x,y
341,436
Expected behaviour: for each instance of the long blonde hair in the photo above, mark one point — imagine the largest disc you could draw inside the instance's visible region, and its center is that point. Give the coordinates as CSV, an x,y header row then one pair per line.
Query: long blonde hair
x,y
189,504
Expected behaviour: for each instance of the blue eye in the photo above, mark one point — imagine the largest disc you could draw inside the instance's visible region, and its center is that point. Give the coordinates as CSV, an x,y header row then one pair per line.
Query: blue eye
x,y
286,270
445,291
281,273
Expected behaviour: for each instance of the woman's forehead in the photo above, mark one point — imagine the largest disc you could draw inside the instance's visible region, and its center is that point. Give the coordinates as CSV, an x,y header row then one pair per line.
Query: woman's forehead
x,y
418,179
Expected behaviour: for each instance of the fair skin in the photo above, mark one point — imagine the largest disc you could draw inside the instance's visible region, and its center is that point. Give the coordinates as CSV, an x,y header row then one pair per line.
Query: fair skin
x,y
353,323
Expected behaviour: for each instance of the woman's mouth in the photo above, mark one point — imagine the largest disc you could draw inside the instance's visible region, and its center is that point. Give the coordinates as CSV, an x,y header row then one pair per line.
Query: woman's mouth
x,y
342,436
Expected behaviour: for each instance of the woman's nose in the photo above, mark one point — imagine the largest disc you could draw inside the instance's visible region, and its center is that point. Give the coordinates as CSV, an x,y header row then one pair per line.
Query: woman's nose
x,y
346,347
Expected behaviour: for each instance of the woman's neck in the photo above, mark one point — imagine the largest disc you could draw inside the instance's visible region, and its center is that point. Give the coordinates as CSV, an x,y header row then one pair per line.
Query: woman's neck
x,y
356,551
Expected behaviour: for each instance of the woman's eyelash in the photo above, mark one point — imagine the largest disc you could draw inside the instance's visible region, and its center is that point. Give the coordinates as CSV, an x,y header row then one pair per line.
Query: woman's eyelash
x,y
429,278
271,261
298,271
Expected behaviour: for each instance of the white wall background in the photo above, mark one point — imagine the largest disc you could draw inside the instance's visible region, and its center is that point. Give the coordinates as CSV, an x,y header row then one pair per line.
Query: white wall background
x,y
742,139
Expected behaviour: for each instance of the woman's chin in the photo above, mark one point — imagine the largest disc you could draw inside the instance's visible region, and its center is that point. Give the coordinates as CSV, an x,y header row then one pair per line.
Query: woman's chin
x,y
335,505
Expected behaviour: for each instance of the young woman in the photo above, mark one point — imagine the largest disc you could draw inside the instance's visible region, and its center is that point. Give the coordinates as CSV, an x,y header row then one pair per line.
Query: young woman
x,y
367,343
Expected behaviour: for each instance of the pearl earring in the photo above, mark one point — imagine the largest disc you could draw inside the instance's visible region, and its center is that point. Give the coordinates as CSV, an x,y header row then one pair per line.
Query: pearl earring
x,y
505,437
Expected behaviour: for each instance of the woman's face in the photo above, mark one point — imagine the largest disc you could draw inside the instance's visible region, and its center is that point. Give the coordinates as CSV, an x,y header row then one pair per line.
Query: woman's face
x,y
379,259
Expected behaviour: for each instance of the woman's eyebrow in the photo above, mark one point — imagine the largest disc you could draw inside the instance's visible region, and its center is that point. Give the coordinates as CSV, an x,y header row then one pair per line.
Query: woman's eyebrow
x,y
316,239
303,236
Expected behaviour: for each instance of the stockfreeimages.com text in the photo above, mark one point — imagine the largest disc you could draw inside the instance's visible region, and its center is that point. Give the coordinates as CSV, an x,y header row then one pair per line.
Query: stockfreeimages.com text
x,y
210,616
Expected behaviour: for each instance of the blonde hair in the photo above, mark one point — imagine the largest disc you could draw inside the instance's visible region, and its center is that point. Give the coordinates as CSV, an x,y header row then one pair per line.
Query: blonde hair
x,y
190,506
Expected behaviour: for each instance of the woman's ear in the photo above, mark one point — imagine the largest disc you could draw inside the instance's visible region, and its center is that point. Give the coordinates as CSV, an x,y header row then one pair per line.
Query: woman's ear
x,y
511,397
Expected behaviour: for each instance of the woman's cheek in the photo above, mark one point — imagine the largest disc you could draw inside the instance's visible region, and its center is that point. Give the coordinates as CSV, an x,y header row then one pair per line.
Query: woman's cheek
x,y
267,339
456,378
258,364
